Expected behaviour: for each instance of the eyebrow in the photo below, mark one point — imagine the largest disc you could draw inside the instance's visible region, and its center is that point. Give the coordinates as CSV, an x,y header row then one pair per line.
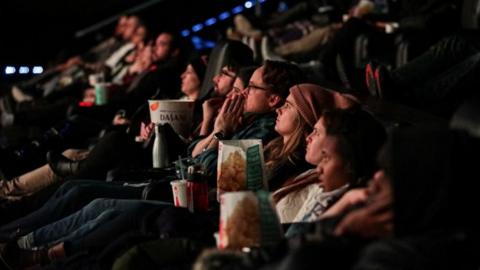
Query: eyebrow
x,y
228,72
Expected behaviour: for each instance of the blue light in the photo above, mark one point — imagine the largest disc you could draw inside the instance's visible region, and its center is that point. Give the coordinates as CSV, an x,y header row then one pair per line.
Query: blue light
x,y
10,70
197,27
261,1
237,9
210,21
282,6
209,44
248,4
185,33
37,70
196,40
23,70
224,15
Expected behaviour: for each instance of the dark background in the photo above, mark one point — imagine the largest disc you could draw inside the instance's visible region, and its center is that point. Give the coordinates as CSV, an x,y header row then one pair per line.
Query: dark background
x,y
35,32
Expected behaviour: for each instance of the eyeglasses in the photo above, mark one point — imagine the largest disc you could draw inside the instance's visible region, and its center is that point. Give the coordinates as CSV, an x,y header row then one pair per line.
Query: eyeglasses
x,y
255,87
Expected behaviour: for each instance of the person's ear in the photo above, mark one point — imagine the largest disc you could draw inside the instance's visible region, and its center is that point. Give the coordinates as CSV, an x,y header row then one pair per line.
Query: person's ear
x,y
275,101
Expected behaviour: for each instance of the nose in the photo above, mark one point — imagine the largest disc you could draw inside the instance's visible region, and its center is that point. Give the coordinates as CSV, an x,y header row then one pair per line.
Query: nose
x,y
379,175
245,92
309,138
215,78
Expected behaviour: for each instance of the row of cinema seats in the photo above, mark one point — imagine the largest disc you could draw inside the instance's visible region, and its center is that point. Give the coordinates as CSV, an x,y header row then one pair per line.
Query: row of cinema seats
x,y
404,44
390,45
390,114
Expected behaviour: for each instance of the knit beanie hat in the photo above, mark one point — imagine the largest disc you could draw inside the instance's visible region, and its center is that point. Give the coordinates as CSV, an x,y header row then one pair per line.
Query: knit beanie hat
x,y
311,100
199,64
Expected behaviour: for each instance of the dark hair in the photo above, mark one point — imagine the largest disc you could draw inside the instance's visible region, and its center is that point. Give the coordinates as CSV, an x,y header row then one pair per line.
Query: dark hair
x,y
237,55
245,73
199,65
148,33
175,41
360,138
280,76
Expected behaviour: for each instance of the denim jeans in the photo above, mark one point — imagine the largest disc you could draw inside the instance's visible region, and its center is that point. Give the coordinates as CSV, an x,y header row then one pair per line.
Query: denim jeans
x,y
70,197
79,224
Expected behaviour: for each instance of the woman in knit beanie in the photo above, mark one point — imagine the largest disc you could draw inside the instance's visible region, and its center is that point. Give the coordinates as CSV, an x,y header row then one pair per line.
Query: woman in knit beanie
x,y
295,120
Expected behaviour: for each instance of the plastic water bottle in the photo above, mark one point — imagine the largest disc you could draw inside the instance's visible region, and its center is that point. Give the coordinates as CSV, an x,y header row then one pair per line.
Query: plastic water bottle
x,y
159,151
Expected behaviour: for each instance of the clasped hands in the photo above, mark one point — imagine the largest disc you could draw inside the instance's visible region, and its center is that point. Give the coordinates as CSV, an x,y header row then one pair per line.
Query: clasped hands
x,y
230,115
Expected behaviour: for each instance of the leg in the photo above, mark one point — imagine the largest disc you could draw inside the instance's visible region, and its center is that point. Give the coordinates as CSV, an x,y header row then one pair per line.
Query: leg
x,y
28,183
103,235
440,57
80,222
70,197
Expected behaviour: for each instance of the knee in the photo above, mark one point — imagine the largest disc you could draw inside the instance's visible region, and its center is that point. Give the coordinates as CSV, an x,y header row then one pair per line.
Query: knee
x,y
65,188
96,203
80,192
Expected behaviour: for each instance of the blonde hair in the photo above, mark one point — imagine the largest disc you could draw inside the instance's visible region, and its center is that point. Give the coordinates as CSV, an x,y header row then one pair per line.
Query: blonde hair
x,y
277,150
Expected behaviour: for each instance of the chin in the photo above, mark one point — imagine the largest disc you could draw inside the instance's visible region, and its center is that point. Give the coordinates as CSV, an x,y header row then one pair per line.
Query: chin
x,y
307,159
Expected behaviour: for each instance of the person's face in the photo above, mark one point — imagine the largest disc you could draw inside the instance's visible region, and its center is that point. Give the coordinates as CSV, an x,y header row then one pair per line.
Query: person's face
x,y
258,97
121,25
237,88
287,118
314,143
223,82
139,35
162,46
145,56
333,171
190,81
375,219
130,27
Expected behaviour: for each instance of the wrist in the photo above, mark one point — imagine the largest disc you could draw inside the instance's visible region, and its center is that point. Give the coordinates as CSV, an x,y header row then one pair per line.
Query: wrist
x,y
219,135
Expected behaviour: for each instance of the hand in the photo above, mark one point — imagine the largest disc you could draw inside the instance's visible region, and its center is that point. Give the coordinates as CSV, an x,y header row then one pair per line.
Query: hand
x,y
146,130
375,220
388,27
229,117
119,119
210,108
351,198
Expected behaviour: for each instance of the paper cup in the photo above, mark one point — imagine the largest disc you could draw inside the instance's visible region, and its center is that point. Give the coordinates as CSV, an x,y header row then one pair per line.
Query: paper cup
x,y
177,113
179,191
101,93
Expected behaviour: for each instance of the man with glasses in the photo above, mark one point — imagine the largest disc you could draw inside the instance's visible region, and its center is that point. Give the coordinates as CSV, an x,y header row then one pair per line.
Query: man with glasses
x,y
238,56
251,114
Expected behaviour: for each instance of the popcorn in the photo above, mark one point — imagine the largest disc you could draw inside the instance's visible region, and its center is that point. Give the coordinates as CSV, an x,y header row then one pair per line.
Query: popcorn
x,y
240,166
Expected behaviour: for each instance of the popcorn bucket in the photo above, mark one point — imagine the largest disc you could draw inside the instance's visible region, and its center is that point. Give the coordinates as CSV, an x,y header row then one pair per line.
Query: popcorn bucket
x,y
248,219
240,166
177,113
